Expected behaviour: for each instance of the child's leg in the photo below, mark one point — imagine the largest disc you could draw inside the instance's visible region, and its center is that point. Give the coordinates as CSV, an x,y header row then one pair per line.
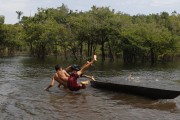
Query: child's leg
x,y
87,65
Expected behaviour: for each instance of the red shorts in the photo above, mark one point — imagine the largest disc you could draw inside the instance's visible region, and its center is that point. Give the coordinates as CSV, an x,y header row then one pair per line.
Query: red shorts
x,y
72,82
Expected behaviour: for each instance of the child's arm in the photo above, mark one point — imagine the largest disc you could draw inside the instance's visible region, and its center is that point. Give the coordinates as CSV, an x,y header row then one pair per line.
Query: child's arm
x,y
67,75
51,84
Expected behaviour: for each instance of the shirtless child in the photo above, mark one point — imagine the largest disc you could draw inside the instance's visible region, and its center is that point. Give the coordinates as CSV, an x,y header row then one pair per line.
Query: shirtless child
x,y
70,81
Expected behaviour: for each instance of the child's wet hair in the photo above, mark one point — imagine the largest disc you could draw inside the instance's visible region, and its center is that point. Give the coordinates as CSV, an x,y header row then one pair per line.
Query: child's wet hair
x,y
57,67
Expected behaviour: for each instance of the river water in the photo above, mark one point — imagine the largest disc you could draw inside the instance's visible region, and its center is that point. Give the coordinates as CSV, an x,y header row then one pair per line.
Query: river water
x,y
22,94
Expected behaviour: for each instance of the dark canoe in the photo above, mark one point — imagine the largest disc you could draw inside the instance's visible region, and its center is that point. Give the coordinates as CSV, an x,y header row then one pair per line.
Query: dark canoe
x,y
153,93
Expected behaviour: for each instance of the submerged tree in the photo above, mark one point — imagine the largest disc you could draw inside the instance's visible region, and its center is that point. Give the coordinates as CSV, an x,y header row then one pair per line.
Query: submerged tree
x,y
101,31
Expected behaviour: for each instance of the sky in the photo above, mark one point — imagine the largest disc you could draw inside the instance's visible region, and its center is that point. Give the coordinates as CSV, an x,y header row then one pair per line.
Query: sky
x,y
8,8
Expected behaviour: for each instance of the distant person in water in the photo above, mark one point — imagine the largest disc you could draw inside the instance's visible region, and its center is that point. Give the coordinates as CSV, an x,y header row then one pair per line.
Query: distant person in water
x,y
70,80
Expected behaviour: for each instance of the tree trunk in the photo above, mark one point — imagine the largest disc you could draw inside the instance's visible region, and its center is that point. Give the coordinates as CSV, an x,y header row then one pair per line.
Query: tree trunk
x,y
91,48
153,57
31,50
102,51
43,49
65,53
110,52
88,52
81,50
74,53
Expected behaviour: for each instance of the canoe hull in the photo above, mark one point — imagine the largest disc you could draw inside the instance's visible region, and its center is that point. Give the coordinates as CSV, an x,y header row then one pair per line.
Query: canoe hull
x,y
153,93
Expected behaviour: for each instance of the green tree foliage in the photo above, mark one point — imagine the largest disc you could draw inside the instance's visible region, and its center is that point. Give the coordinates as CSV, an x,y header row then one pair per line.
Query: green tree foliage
x,y
10,38
42,32
2,35
2,39
100,30
1,19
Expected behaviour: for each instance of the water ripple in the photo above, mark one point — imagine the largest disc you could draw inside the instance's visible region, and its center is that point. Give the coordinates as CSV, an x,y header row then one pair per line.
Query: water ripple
x,y
22,95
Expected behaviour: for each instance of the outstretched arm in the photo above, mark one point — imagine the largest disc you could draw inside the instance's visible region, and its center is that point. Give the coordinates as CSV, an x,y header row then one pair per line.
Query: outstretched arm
x,y
87,76
51,84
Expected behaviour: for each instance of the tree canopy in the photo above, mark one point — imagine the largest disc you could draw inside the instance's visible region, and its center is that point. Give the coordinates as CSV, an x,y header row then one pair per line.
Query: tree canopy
x,y
101,30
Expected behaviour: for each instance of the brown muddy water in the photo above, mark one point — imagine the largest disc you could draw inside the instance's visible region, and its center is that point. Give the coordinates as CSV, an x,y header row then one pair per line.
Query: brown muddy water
x,y
22,95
